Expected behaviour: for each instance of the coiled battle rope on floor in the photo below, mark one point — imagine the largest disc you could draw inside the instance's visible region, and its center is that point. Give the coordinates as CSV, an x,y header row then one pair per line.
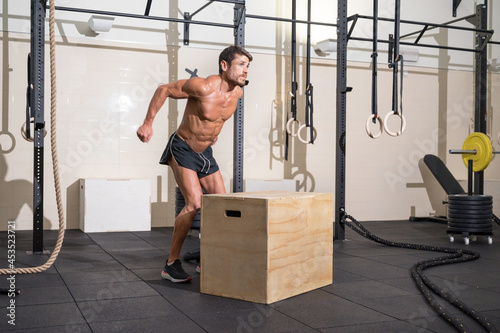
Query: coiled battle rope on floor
x,y
425,285
55,163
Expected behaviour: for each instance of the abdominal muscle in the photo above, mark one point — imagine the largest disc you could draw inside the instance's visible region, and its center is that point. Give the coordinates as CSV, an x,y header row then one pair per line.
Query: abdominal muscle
x,y
199,134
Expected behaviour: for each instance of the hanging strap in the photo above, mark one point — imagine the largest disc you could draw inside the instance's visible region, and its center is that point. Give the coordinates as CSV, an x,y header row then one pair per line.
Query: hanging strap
x,y
397,22
395,60
374,114
309,111
401,60
294,62
293,93
309,87
374,62
398,59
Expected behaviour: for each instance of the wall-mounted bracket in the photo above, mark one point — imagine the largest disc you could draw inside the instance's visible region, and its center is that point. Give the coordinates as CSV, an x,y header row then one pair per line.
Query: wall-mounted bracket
x,y
186,28
354,19
456,3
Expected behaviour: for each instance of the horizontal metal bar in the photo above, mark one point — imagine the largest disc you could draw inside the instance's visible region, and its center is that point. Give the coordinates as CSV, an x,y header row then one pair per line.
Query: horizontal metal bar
x,y
429,24
156,18
270,18
434,27
199,10
494,42
463,151
236,2
420,45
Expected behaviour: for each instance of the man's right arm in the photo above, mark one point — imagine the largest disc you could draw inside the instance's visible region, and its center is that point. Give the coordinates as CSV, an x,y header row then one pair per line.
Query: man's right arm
x,y
172,90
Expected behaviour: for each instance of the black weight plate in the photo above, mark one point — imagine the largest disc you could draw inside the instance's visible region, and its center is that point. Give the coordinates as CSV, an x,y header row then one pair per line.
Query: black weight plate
x,y
465,203
474,199
470,216
485,210
465,197
473,206
477,215
469,230
469,221
471,199
470,225
470,212
465,227
470,203
466,233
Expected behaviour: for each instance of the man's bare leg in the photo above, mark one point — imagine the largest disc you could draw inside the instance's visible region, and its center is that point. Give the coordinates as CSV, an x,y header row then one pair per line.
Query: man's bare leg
x,y
213,183
190,187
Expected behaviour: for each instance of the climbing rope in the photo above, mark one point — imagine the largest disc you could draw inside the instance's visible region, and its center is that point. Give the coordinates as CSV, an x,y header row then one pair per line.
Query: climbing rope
x,y
55,168
425,285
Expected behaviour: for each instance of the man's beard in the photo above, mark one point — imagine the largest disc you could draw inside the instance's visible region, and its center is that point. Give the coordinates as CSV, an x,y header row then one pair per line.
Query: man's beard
x,y
237,82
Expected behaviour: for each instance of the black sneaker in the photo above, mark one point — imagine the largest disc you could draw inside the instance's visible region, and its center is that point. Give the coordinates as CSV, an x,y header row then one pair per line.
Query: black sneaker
x,y
175,273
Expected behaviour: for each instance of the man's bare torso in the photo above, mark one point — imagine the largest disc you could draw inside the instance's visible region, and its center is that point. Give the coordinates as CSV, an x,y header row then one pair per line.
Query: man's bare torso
x,y
206,113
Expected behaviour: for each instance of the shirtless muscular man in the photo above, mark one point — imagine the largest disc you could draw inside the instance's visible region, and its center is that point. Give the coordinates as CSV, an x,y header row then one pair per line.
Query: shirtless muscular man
x,y
210,102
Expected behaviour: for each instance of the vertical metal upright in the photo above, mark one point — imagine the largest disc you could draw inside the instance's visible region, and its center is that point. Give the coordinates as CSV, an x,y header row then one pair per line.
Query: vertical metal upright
x,y
239,40
480,85
38,9
342,89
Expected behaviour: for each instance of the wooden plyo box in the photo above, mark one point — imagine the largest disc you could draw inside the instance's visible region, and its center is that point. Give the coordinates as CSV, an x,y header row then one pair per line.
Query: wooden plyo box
x,y
266,246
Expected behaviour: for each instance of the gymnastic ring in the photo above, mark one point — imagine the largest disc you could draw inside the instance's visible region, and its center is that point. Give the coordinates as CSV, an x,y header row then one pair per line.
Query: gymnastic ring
x,y
25,135
288,125
398,133
12,139
380,123
315,134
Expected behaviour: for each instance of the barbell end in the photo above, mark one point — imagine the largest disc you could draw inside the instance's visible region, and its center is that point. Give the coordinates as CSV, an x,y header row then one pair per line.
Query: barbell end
x,y
462,151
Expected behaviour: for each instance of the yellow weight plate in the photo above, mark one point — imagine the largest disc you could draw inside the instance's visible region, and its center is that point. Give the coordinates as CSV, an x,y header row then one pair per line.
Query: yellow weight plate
x,y
484,151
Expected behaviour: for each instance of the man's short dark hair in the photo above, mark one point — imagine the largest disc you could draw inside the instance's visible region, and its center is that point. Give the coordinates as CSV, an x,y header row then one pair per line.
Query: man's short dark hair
x,y
229,53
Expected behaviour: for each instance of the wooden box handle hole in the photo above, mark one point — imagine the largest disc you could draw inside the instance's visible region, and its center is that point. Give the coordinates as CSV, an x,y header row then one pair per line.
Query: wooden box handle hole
x,y
233,213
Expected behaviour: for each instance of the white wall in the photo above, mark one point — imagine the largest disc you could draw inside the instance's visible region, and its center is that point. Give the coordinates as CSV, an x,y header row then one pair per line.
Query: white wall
x,y
105,82
268,36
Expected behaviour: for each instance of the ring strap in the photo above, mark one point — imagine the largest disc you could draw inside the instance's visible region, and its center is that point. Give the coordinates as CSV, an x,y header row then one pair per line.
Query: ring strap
x,y
374,62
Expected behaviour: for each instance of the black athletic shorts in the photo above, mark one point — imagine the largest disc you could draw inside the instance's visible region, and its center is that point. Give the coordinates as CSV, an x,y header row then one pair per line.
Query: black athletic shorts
x,y
203,163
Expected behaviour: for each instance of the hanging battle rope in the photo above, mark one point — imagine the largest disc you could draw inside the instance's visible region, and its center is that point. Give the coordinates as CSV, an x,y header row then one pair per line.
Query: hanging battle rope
x,y
55,163
425,285
309,88
293,93
374,115
396,59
